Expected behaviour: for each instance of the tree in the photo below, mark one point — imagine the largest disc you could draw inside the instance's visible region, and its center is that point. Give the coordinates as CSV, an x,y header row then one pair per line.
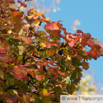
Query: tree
x,y
88,86
38,65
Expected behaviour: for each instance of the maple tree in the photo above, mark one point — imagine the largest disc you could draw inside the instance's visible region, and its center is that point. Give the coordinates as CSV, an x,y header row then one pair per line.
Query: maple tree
x,y
39,65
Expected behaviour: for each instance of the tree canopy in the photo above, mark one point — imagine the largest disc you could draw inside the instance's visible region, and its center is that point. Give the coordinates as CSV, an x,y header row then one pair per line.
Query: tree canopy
x,y
39,64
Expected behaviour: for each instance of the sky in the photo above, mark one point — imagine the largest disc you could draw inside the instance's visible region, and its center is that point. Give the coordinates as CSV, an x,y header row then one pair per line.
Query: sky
x,y
90,15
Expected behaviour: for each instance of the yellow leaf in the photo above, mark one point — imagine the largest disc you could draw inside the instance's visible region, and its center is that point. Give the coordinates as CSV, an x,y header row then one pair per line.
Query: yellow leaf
x,y
43,77
43,45
15,92
1,74
36,22
45,91
40,14
34,11
68,57
32,99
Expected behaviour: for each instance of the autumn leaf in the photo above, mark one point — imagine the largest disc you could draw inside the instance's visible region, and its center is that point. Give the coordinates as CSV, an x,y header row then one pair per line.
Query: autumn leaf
x,y
15,14
1,74
26,26
42,45
26,40
39,77
22,4
61,73
18,76
71,43
48,45
34,16
17,70
63,84
45,92
13,99
53,25
2,50
85,65
79,31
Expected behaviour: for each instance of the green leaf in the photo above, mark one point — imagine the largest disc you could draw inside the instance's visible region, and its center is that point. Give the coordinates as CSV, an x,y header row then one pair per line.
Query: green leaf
x,y
11,80
76,62
10,41
43,54
10,55
38,101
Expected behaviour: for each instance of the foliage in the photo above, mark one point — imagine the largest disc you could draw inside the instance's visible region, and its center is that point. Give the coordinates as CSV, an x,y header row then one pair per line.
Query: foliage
x,y
40,65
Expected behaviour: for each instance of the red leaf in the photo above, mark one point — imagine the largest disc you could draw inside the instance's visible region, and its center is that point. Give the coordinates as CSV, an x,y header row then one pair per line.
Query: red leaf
x,y
39,77
26,40
90,43
94,52
53,25
6,59
86,53
71,43
55,45
61,73
26,64
18,76
51,62
87,35
63,84
71,67
48,45
13,99
1,28
17,70
22,4
79,36
26,78
2,50
79,31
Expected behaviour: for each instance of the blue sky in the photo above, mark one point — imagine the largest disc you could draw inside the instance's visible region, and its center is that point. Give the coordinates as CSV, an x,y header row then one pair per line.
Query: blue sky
x,y
90,15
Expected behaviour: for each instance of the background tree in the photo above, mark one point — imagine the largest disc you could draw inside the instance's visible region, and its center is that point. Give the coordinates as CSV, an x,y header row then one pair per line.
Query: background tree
x,y
36,66
88,86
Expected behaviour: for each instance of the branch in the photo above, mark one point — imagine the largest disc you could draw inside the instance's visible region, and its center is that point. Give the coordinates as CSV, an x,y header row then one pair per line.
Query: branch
x,y
11,87
24,54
